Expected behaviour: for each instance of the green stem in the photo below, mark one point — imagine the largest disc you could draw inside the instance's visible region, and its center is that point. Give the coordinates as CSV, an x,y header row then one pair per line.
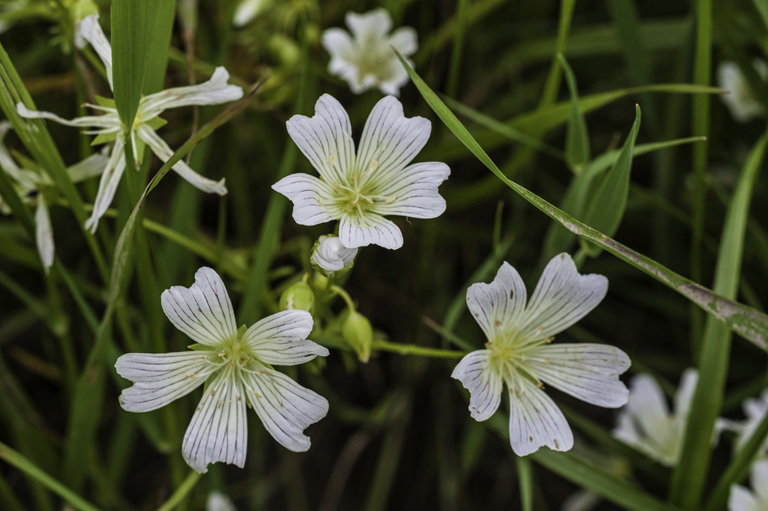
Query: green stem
x,y
348,299
411,349
19,461
180,492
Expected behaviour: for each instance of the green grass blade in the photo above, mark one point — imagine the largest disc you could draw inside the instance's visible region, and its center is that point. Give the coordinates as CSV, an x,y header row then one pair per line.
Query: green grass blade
x,y
525,478
739,467
162,14
504,129
606,208
702,69
690,474
577,137
131,24
19,461
594,478
748,322
574,202
269,237
553,116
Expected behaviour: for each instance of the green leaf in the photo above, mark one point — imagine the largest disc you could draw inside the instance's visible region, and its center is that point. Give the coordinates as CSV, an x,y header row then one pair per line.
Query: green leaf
x,y
606,208
131,25
596,479
748,322
690,474
559,239
739,466
577,137
545,119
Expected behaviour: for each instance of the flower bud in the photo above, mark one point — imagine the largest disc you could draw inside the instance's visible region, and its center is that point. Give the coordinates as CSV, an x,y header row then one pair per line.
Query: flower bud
x,y
329,256
358,333
299,297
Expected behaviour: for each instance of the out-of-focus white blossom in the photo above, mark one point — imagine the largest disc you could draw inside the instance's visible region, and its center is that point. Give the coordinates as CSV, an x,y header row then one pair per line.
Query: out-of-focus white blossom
x,y
365,58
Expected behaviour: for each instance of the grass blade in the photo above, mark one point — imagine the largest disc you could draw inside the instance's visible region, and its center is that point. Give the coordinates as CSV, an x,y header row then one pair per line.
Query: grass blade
x,y
577,137
130,41
19,461
690,474
606,209
748,322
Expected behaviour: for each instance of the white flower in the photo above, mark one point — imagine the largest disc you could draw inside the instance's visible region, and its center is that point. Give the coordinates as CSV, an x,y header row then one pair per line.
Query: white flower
x,y
366,59
331,256
217,501
28,184
755,410
247,10
236,366
742,499
646,423
519,354
741,100
359,189
109,127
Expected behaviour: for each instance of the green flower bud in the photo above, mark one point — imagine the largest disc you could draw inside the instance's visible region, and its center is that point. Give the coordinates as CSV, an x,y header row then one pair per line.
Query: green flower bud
x,y
358,333
299,297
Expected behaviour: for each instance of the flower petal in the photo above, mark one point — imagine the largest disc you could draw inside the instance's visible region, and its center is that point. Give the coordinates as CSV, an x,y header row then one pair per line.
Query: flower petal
x,y
90,30
161,149
498,305
646,403
202,311
213,92
589,372
338,44
389,142
561,298
535,420
414,192
281,339
741,499
107,121
759,479
372,24
404,40
330,255
484,385
312,198
371,229
326,139
218,430
92,166
110,179
285,408
160,378
44,233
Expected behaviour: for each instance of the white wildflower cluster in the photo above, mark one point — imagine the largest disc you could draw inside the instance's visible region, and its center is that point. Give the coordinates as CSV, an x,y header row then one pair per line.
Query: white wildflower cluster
x,y
360,186
109,128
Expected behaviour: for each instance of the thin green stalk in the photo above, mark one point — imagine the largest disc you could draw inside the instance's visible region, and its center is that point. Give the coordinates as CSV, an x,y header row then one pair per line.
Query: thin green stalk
x,y
689,476
181,492
412,349
19,461
700,126
454,71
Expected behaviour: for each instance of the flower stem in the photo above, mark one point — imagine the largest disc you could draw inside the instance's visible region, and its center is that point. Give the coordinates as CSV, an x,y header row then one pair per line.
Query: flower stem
x,y
180,492
412,349
348,299
19,461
